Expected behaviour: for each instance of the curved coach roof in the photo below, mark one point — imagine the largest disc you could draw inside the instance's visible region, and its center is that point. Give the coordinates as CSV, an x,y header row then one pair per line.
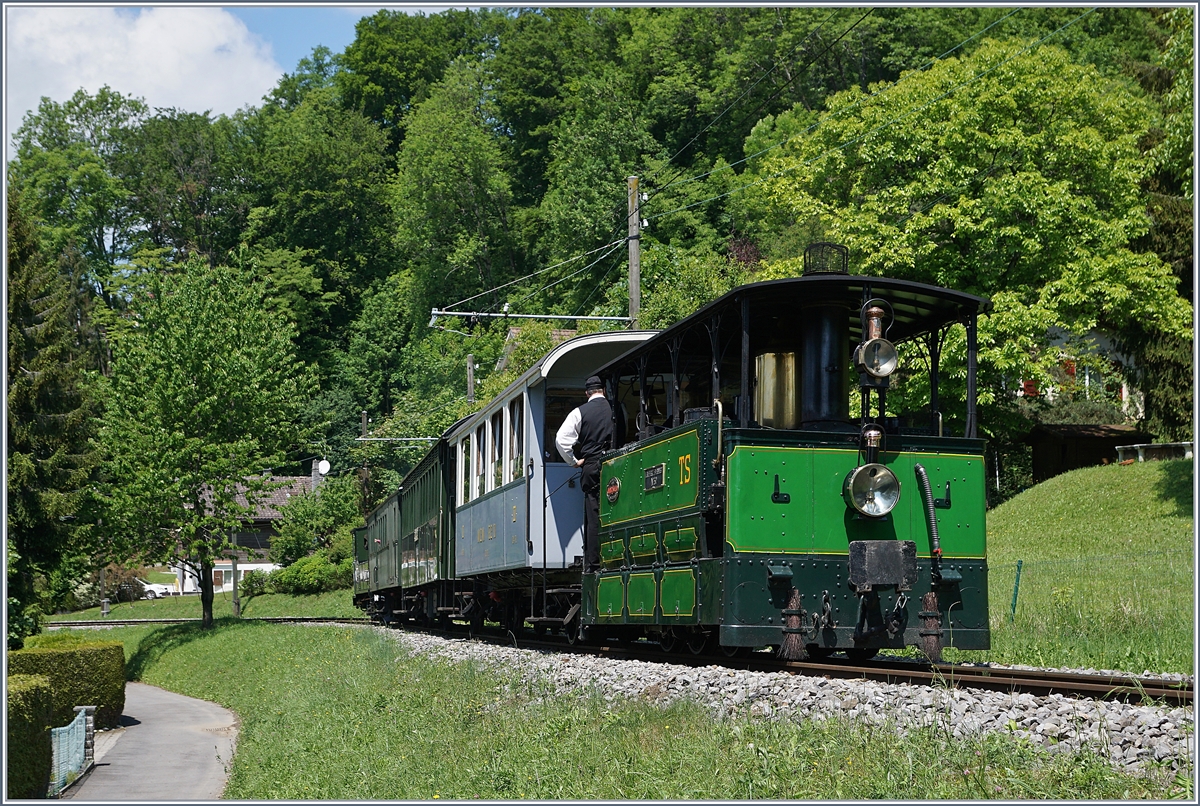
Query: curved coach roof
x,y
573,360
918,307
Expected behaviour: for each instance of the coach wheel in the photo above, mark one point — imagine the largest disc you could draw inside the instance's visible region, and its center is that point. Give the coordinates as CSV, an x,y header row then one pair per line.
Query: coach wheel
x,y
667,641
735,651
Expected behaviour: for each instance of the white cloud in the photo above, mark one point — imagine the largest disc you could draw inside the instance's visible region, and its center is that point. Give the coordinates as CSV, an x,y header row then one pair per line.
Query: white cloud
x,y
196,59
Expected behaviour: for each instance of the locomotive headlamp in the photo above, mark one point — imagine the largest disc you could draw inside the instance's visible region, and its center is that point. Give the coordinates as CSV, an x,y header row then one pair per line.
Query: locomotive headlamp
x,y
871,490
876,356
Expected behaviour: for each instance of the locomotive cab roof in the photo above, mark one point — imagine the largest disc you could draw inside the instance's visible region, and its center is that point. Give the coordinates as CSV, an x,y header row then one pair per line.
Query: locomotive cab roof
x,y
918,308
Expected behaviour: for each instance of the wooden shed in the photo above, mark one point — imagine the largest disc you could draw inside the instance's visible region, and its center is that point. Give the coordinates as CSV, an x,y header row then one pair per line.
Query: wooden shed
x,y
1059,448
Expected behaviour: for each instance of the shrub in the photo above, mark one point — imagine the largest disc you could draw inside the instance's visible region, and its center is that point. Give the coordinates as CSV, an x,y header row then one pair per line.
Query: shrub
x,y
23,621
254,583
86,674
29,757
313,574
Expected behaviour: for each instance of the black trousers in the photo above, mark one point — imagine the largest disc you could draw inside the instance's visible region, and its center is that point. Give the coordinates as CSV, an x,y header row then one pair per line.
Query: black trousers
x,y
590,482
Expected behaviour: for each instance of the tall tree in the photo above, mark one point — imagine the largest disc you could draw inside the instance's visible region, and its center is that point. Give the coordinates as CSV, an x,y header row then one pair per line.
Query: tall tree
x,y
397,57
50,410
185,184
323,219
452,193
67,158
206,397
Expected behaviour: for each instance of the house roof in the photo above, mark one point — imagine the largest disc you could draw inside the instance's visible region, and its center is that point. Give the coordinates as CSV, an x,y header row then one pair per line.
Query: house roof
x,y
1060,432
270,503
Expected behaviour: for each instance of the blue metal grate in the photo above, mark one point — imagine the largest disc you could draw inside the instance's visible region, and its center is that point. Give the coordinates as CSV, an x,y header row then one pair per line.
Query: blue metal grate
x,y
67,744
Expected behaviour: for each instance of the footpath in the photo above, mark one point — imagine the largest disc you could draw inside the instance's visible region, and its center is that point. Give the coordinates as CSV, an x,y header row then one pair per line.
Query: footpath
x,y
169,747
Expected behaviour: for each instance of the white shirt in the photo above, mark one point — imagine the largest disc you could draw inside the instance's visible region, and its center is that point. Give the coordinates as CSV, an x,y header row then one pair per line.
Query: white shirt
x,y
568,433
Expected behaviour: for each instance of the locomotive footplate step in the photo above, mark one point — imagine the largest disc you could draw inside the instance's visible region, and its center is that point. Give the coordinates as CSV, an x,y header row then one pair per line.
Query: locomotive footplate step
x,y
563,590
451,610
543,620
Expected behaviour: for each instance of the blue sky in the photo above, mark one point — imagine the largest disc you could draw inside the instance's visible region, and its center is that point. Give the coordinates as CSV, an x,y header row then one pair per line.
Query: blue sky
x,y
196,58
294,32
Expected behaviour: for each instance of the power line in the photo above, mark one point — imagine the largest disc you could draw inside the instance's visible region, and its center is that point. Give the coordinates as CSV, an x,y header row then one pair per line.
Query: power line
x,y
615,245
535,274
877,129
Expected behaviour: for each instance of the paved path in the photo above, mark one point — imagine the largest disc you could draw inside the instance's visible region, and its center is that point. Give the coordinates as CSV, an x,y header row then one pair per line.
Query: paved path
x,y
170,748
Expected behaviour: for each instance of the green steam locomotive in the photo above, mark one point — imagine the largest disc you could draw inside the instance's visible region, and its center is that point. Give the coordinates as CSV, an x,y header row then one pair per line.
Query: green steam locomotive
x,y
761,493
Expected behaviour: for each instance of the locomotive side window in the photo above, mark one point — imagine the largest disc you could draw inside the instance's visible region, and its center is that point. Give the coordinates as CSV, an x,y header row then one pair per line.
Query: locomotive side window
x,y
559,403
479,486
497,457
516,440
464,468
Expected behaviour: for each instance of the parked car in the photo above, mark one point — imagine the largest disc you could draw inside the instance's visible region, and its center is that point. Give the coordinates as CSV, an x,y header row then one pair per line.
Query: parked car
x,y
153,590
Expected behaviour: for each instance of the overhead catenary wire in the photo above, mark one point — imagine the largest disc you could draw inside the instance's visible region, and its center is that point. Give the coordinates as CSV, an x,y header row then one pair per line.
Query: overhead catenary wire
x,y
875,130
536,273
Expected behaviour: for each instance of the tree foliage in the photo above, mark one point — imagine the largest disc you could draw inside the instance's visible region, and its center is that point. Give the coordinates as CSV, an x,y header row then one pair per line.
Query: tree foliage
x,y
204,405
51,462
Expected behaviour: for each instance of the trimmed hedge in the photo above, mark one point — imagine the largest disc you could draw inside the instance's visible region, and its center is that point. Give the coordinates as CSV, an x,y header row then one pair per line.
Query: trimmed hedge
x,y
92,674
30,703
313,574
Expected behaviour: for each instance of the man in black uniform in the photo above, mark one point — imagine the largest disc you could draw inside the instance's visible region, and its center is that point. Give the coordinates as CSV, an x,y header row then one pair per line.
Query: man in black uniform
x,y
582,438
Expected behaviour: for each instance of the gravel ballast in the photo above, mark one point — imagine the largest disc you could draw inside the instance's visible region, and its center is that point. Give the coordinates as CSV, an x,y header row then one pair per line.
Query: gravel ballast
x,y
1129,735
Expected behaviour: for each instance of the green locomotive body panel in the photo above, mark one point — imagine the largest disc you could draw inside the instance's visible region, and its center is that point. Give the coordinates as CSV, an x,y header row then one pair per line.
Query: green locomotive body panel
x,y
662,476
610,598
788,500
641,597
677,596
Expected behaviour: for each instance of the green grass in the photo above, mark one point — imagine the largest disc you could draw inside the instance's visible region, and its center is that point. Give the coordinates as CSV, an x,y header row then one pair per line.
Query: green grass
x,y
164,577
342,713
332,604
1106,570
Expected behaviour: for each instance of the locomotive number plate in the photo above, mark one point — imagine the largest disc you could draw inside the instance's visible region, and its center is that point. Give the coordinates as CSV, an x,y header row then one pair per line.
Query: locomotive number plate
x,y
655,477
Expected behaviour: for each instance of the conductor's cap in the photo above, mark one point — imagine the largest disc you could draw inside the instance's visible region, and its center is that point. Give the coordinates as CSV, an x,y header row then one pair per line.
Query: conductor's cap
x,y
592,384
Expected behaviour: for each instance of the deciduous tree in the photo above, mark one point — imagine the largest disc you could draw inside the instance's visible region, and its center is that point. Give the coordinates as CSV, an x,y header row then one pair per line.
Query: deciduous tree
x,y
205,402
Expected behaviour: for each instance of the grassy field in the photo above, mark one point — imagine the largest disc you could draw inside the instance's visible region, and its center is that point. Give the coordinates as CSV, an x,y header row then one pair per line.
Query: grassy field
x,y
333,604
1107,570
343,713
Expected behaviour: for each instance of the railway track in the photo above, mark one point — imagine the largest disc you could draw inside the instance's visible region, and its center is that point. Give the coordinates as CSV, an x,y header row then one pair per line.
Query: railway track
x,y
1130,688
1040,683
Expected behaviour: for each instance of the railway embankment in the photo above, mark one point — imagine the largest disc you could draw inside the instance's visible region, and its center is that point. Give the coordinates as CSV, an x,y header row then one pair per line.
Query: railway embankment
x,y
1131,735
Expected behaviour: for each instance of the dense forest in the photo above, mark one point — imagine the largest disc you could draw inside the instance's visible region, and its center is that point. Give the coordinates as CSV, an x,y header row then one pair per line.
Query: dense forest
x,y
472,160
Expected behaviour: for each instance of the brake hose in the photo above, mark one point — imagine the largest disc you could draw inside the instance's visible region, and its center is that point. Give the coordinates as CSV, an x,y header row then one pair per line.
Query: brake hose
x,y
935,545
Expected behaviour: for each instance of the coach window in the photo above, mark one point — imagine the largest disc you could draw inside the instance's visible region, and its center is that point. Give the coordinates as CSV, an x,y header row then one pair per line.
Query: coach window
x,y
559,403
464,468
480,484
497,456
516,440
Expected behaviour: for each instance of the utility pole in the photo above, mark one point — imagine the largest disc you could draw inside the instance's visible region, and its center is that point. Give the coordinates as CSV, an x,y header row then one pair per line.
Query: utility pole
x,y
470,377
635,257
